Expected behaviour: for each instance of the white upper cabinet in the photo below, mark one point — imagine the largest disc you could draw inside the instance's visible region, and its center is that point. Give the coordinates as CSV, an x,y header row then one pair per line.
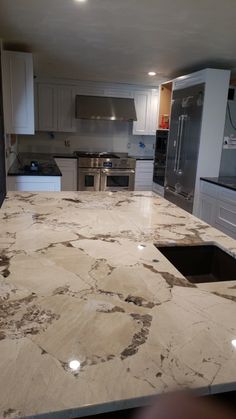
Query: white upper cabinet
x,y
66,108
142,101
18,92
47,107
55,104
146,104
153,112
55,107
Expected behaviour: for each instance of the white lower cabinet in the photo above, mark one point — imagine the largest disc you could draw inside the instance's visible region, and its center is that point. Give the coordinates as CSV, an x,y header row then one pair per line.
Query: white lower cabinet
x,y
144,175
68,168
207,209
217,207
34,183
226,217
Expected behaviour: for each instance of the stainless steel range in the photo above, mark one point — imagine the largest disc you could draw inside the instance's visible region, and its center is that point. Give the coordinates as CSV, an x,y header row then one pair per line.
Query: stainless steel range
x,y
105,172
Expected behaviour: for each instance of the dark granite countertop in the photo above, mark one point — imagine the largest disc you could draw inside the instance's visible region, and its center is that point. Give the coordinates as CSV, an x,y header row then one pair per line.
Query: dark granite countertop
x,y
21,165
224,181
64,156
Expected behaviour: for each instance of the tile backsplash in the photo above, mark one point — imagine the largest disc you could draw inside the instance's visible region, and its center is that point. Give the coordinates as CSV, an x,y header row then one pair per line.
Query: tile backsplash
x,y
113,136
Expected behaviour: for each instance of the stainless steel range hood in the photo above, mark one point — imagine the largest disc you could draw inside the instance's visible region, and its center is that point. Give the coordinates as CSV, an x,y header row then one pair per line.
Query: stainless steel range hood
x,y
108,108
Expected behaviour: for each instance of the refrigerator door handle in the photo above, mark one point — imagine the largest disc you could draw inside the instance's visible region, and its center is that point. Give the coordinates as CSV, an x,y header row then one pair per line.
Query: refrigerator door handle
x,y
184,118
177,142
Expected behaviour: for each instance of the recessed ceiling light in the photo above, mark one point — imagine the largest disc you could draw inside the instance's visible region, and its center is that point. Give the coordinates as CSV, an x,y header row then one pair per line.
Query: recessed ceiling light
x,y
152,73
80,1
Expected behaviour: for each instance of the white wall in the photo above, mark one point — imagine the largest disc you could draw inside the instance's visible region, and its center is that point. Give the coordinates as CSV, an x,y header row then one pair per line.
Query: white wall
x,y
91,136
228,158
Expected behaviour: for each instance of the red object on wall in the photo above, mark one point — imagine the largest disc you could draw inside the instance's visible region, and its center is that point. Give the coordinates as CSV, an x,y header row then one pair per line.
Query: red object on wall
x,y
164,121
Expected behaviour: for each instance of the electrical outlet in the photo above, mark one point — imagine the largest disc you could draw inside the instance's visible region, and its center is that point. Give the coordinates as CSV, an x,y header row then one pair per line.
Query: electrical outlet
x,y
67,143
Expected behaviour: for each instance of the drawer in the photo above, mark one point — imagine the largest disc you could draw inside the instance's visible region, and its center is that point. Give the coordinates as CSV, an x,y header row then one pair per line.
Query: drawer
x,y
227,195
144,166
143,187
209,189
226,231
144,162
141,177
226,215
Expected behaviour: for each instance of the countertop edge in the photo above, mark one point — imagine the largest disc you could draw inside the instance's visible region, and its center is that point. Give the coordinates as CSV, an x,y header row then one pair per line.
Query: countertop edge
x,y
119,405
35,174
218,183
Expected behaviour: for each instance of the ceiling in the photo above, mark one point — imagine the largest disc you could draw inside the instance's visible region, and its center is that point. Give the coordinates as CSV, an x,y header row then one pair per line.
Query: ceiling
x,y
121,40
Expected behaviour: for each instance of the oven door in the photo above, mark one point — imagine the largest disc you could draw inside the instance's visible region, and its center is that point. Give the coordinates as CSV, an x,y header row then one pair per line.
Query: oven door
x,y
88,179
117,179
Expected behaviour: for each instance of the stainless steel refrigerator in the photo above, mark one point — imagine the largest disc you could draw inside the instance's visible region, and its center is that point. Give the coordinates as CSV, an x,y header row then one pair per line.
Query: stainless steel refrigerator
x,y
183,145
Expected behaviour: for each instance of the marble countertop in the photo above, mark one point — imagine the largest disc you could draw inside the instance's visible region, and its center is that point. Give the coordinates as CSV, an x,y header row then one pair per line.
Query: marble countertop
x,y
81,280
228,182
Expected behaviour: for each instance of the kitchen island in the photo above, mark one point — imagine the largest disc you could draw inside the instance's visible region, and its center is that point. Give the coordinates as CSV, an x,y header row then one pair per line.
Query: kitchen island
x,y
93,317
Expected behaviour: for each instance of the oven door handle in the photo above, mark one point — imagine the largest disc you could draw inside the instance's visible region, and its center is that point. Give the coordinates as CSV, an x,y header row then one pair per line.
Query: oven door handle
x,y
116,171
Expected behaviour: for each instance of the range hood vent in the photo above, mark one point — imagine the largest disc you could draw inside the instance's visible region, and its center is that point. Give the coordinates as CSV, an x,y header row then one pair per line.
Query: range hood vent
x,y
108,108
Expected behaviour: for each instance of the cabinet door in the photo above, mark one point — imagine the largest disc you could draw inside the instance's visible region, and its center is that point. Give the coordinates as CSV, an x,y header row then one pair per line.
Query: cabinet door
x,y
144,175
207,209
34,183
142,101
153,113
18,92
68,168
47,107
66,109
